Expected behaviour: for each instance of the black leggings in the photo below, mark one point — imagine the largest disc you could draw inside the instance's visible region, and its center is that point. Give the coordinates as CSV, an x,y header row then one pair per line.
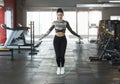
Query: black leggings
x,y
60,44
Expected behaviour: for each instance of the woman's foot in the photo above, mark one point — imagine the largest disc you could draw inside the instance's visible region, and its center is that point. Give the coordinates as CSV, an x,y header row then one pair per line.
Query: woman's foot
x,y
58,71
62,70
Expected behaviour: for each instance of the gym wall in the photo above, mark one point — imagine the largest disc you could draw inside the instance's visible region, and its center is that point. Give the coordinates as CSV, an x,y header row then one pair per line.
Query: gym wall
x,y
2,31
19,11
12,4
107,12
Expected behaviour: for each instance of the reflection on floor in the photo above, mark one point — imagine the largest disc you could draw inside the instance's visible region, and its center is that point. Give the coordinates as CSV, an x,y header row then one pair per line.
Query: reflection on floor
x,y
41,68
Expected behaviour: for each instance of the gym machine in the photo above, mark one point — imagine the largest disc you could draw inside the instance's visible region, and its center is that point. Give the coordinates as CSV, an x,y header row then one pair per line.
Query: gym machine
x,y
17,34
33,50
108,42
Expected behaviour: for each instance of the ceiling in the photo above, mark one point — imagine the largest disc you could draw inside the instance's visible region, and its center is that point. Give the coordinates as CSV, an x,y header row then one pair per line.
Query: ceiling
x,y
57,3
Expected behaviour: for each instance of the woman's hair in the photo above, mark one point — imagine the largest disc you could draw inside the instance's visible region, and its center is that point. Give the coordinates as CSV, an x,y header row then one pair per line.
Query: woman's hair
x,y
59,10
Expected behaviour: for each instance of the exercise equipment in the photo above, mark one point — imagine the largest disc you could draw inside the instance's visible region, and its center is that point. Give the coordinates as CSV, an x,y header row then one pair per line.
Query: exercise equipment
x,y
33,50
108,49
17,34
14,34
103,49
111,26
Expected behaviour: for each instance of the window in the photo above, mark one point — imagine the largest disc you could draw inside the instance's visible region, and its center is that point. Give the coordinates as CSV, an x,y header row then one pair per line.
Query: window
x,y
114,17
43,20
88,22
70,16
83,23
9,19
85,19
94,19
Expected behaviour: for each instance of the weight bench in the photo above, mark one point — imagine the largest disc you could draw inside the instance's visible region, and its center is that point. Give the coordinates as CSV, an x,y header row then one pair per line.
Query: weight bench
x,y
7,50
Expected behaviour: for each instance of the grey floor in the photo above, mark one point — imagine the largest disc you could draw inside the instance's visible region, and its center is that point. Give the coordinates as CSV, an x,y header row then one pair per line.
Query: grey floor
x,y
41,68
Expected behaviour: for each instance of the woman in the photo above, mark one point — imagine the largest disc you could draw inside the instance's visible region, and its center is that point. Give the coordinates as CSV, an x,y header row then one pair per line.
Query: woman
x,y
60,41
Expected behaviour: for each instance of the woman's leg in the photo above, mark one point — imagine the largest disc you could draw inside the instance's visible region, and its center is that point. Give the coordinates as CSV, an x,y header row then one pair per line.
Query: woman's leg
x,y
56,44
62,50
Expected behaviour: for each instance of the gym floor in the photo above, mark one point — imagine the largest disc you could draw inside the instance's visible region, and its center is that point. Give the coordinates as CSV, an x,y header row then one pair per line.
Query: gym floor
x,y
41,68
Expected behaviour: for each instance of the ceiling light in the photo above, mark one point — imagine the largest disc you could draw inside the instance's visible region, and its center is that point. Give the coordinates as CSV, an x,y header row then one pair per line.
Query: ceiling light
x,y
114,1
96,5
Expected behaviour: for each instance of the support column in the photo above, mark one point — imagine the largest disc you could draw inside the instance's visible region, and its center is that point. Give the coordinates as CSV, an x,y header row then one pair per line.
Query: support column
x,y
2,31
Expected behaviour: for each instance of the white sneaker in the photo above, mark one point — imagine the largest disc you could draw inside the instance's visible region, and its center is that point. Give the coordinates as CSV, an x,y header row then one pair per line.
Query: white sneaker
x,y
62,70
58,71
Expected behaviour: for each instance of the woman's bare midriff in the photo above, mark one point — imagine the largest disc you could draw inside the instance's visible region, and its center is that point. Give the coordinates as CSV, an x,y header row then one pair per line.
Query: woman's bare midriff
x,y
60,34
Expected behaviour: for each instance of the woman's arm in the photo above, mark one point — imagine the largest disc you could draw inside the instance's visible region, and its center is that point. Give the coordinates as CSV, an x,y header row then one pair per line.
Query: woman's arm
x,y
48,32
70,29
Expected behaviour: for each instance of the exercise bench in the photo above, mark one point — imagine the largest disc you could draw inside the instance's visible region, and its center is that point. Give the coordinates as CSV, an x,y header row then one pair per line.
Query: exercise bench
x,y
7,50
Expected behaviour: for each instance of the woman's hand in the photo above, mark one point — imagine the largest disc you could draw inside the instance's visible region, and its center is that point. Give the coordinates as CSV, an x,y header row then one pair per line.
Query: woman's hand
x,y
40,38
81,38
